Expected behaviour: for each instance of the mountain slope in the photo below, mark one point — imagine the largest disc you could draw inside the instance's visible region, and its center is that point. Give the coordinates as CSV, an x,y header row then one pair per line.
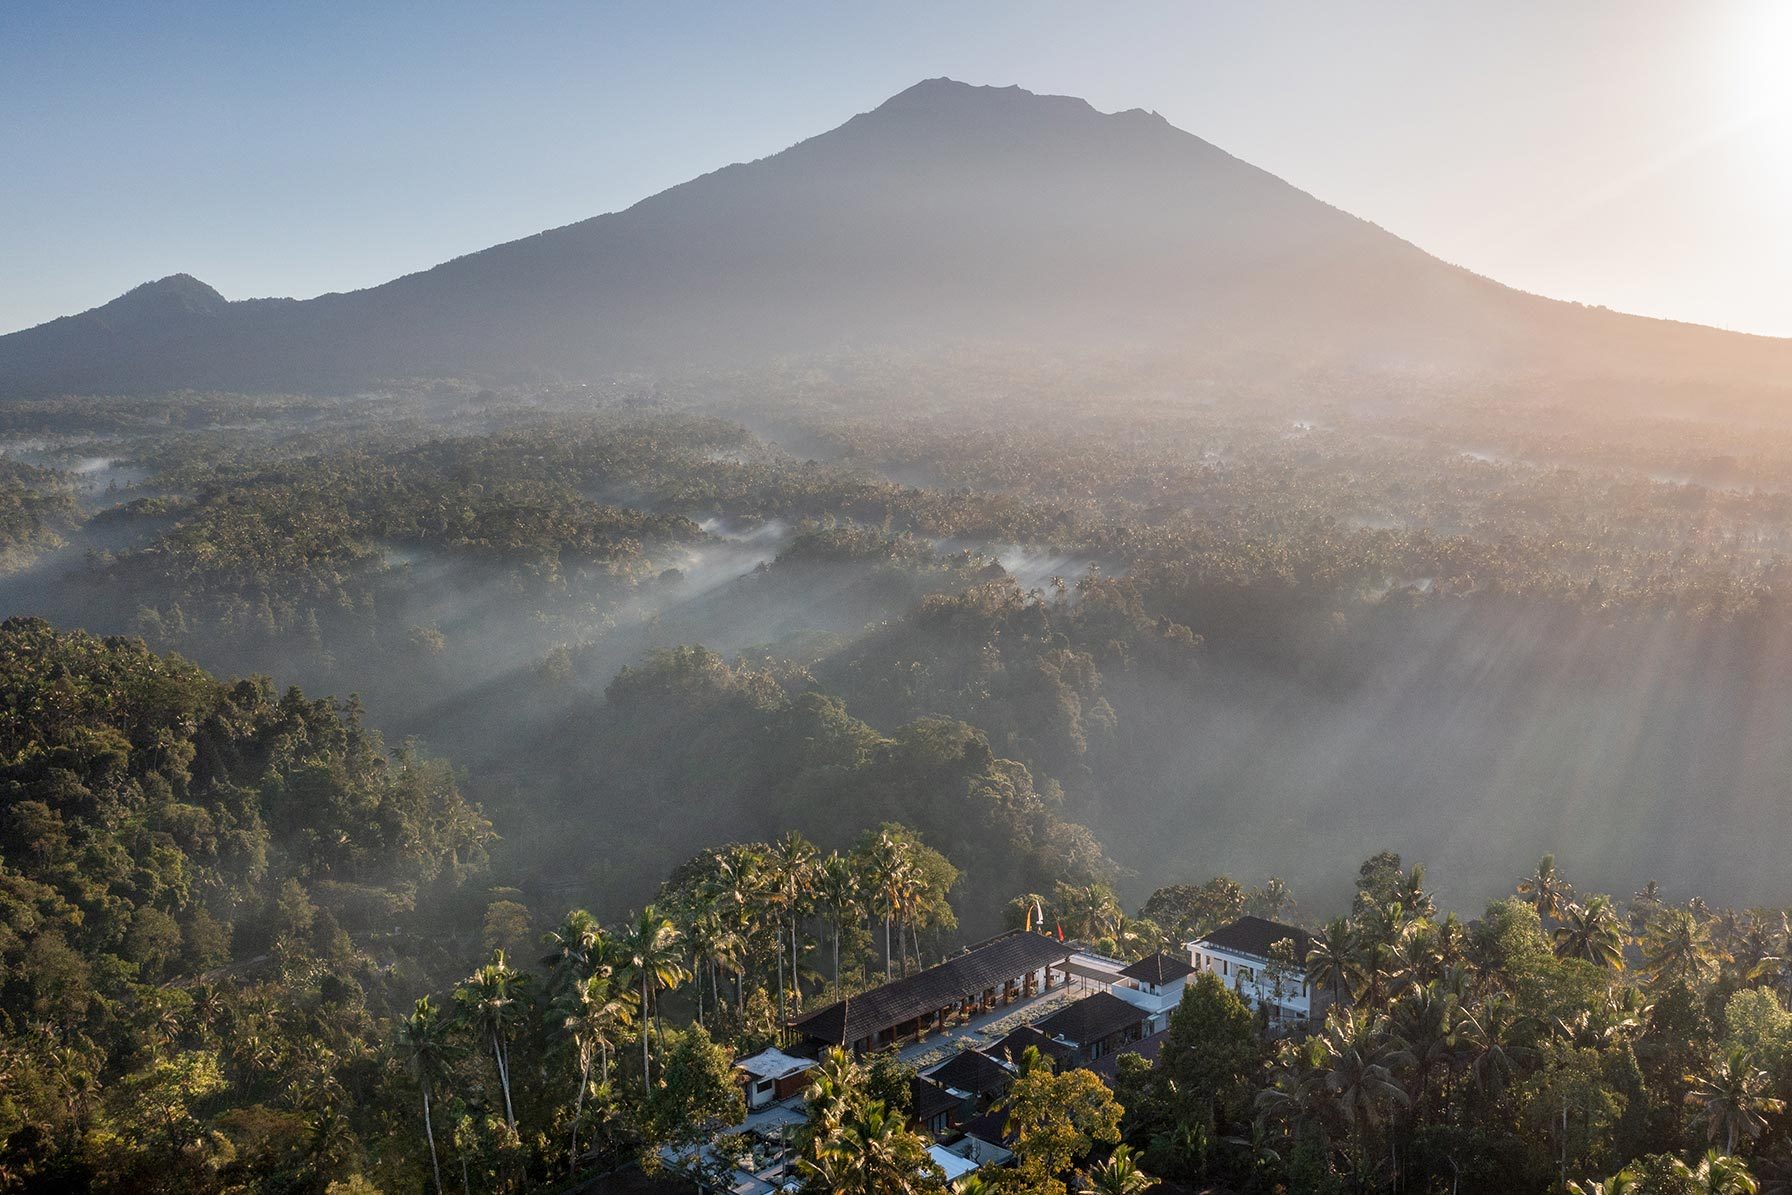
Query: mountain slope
x,y
950,213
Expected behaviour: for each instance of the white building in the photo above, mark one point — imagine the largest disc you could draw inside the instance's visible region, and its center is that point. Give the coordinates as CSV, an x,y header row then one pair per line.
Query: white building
x,y
1154,985
771,1076
1239,953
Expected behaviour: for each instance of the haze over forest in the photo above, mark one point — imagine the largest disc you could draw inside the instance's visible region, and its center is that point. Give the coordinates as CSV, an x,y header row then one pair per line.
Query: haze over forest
x,y
1049,481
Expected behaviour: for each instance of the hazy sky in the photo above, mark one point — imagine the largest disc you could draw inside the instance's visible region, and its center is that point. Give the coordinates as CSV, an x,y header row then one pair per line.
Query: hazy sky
x,y
1632,153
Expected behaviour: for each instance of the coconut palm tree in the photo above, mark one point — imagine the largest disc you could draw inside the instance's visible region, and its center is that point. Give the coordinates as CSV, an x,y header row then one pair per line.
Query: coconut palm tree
x,y
888,869
1356,1059
793,860
1734,1098
425,1051
836,1087
651,955
1411,896
575,950
1677,949
837,887
1328,959
713,946
1721,1174
1120,1175
1546,890
1591,933
588,1015
1490,1038
874,1153
732,889
1425,1021
488,1000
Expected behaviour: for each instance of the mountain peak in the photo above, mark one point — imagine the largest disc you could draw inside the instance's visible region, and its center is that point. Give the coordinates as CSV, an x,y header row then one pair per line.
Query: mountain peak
x,y
945,93
176,294
182,288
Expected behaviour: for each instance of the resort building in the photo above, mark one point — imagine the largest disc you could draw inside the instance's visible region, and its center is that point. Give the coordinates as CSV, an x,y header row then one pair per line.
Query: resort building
x,y
1095,1026
1240,953
1155,986
771,1076
1015,966
974,1077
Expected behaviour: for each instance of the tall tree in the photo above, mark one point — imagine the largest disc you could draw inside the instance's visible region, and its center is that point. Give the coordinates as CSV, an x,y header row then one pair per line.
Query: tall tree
x,y
426,1053
488,1000
837,887
1734,1097
1545,890
1677,948
652,957
1056,1119
1591,933
588,1015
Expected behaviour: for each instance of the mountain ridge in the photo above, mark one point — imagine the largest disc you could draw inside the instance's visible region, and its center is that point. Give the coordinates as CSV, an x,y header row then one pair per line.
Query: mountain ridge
x,y
948,214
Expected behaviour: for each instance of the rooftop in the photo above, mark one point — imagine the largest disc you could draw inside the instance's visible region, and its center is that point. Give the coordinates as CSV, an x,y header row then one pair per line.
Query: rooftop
x,y
1254,936
1159,969
774,1064
1014,1046
972,1071
927,1100
1148,1048
989,964
1092,1018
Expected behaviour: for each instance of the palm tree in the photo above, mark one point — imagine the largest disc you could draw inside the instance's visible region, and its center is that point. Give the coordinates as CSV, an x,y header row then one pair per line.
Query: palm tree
x,y
1091,912
793,859
1645,902
1546,890
1328,959
887,866
1411,896
836,1088
1676,948
1120,1175
837,885
732,890
713,946
488,1000
1720,1174
651,955
1425,1022
1356,1060
1733,1098
875,1154
1489,1040
424,1049
1591,933
575,950
588,1015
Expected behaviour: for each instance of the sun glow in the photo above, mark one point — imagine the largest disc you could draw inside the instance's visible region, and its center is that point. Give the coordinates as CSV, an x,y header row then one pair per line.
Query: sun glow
x,y
1763,63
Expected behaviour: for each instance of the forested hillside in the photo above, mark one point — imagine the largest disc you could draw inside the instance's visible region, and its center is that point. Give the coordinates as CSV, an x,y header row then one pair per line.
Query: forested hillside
x,y
214,897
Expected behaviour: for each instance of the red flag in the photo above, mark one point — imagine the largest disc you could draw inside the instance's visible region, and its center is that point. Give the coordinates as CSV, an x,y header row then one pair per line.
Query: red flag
x,y
1060,931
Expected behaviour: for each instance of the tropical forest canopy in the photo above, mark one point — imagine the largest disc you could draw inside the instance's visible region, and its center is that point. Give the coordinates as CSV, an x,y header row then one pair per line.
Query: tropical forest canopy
x,y
749,689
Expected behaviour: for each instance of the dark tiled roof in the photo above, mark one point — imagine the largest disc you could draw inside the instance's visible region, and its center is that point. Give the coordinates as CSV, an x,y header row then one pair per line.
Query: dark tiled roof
x,y
1160,969
992,1127
1108,1065
1254,936
988,965
1092,1018
972,1071
927,1100
1014,1046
